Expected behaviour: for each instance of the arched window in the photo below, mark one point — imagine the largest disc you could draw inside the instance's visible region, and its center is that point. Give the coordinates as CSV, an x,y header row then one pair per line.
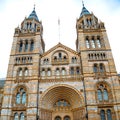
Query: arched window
x,y
26,46
32,46
55,58
109,115
58,118
48,72
57,71
72,71
102,69
60,56
102,115
98,42
87,43
72,60
102,92
20,47
105,94
95,68
93,43
24,60
66,118
63,71
22,117
77,70
26,72
16,117
43,72
99,92
20,72
30,60
21,96
64,58
62,103
18,98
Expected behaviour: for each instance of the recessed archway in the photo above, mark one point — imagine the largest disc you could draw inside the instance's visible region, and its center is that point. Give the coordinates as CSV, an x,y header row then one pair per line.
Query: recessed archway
x,y
57,92
61,93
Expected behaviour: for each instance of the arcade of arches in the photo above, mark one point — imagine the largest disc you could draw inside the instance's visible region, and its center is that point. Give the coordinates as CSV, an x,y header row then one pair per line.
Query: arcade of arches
x,y
62,103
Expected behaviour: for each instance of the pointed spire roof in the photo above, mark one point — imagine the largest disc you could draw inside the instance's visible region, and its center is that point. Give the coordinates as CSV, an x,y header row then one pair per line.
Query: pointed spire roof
x,y
84,11
33,15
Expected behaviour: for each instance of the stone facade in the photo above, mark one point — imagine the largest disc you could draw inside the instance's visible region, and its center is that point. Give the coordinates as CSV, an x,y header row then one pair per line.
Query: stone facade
x,y
61,83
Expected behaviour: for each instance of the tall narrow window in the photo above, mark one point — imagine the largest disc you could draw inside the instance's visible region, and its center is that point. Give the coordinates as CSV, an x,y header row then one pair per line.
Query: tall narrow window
x,y
72,71
102,115
20,72
32,46
93,43
26,46
22,117
16,117
26,72
87,43
95,68
57,71
98,43
18,98
105,94
23,98
72,59
65,58
109,115
77,71
43,72
60,56
102,69
20,47
63,71
102,93
99,92
49,72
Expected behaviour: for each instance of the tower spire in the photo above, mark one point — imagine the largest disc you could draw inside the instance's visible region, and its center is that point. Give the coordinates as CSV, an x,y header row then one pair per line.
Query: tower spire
x,y
34,7
83,3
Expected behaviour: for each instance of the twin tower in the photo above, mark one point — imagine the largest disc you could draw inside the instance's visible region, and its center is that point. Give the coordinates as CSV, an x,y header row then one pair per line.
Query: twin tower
x,y
61,83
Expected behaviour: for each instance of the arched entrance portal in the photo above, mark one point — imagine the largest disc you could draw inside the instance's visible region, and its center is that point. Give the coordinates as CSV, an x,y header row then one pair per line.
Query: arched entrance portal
x,y
61,102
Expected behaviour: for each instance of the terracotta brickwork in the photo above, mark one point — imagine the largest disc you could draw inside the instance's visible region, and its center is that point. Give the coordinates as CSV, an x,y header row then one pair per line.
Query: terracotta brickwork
x,y
61,83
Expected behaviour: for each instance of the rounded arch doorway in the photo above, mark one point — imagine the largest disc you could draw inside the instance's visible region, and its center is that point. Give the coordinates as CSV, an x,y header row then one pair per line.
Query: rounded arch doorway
x,y
58,118
62,102
66,118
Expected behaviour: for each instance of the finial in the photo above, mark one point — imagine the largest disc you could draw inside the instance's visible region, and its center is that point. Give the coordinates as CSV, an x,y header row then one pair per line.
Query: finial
x,y
34,7
83,3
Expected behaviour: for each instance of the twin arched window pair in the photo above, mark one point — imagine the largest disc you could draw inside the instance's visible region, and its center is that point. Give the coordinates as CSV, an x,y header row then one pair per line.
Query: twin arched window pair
x,y
21,96
99,68
19,117
74,60
46,61
59,118
104,116
60,57
25,46
102,93
23,72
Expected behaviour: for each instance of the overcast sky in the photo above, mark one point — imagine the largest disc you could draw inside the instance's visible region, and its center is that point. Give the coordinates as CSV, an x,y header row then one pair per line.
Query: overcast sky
x,y
13,12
